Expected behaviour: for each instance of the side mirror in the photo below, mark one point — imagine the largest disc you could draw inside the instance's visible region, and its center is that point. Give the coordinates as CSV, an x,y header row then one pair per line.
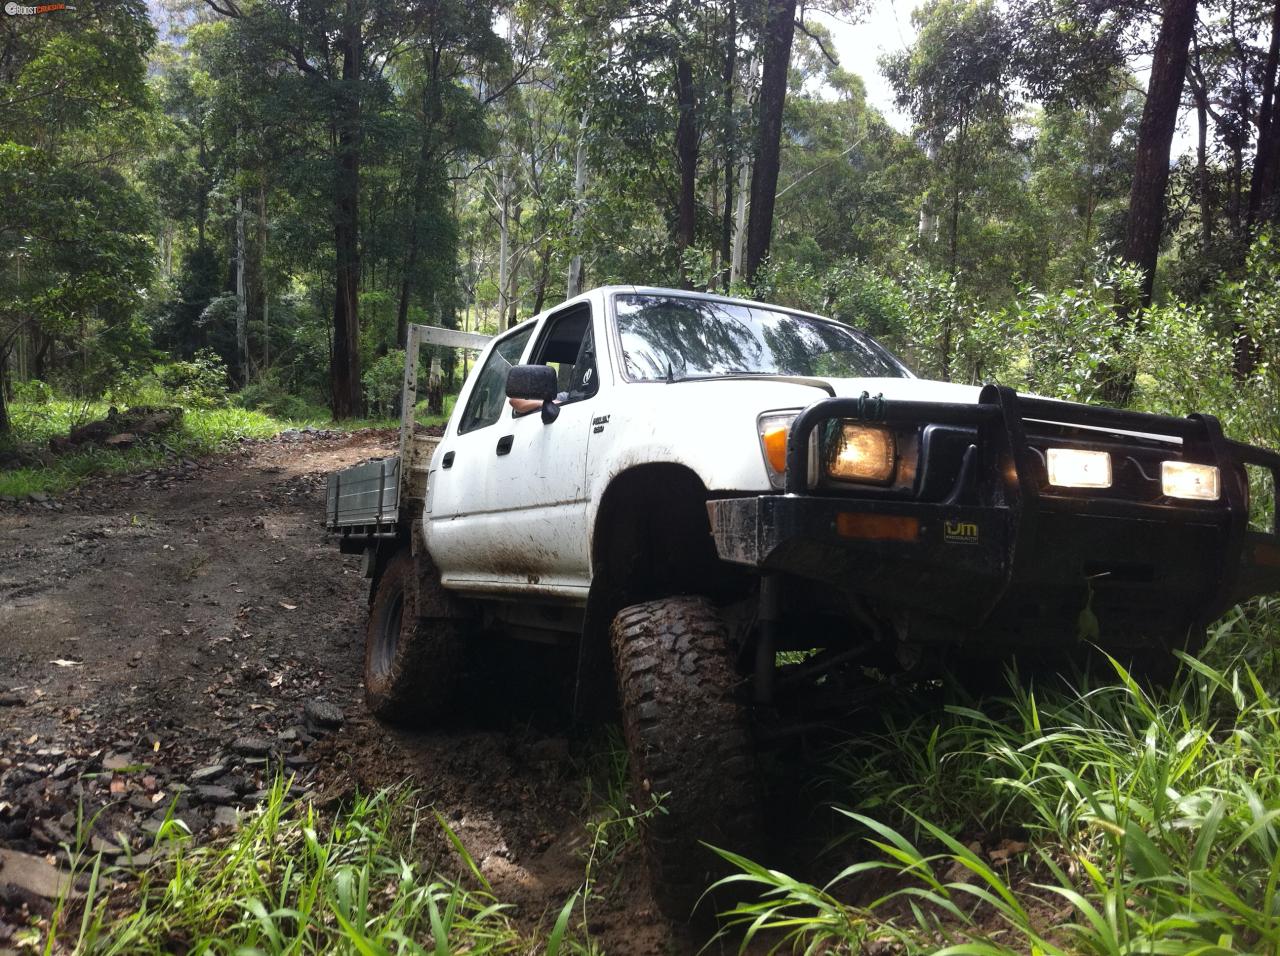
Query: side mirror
x,y
537,382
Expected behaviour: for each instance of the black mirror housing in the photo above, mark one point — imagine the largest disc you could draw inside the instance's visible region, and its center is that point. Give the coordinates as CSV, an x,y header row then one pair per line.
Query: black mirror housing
x,y
536,382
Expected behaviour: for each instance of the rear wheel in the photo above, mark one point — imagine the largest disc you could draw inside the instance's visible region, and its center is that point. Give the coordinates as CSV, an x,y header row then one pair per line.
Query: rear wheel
x,y
412,665
688,735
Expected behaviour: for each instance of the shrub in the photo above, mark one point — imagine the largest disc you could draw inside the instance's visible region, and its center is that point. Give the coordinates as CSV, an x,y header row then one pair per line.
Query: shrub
x,y
34,392
199,383
267,394
382,382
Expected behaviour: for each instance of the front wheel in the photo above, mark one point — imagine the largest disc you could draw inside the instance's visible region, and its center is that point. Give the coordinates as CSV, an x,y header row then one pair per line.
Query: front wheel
x,y
689,740
412,665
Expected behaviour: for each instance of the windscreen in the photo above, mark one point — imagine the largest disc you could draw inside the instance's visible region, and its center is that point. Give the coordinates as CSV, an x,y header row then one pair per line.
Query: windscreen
x,y
676,337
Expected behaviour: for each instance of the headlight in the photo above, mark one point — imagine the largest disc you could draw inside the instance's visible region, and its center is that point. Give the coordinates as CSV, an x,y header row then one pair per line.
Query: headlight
x,y
1073,468
1185,479
861,453
773,428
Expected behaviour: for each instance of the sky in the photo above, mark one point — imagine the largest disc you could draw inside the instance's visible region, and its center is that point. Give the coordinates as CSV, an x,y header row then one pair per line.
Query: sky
x,y
887,28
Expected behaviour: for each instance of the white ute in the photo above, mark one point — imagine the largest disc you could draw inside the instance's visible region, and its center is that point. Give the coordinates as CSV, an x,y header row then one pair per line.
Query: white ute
x,y
681,486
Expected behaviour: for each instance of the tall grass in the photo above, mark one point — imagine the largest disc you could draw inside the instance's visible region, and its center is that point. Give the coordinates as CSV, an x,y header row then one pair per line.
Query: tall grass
x,y
290,882
1153,821
203,431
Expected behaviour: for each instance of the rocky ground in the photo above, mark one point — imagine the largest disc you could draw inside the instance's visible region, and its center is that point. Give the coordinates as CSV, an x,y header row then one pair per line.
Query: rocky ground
x,y
177,637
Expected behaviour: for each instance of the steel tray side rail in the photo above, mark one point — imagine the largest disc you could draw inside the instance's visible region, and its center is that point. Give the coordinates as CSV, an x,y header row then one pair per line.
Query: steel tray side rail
x,y
364,501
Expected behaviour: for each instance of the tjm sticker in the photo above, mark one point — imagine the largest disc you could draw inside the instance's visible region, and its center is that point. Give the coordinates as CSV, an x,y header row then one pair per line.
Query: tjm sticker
x,y
960,532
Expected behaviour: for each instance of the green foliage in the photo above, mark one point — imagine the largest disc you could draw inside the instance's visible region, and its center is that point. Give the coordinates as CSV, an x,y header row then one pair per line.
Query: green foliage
x,y
1152,817
383,380
203,431
32,392
268,395
199,383
75,256
1063,344
291,881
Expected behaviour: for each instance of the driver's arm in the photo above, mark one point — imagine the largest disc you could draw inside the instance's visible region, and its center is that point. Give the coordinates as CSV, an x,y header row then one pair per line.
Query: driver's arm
x,y
523,406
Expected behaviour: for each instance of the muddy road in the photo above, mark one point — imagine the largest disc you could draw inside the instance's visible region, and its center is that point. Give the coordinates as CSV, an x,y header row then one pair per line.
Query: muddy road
x,y
182,633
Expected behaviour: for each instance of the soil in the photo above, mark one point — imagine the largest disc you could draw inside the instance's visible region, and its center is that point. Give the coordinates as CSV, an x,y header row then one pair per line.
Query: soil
x,y
184,632
178,636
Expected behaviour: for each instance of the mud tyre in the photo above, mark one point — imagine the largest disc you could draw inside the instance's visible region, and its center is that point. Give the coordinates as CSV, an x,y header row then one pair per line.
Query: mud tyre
x,y
412,665
689,740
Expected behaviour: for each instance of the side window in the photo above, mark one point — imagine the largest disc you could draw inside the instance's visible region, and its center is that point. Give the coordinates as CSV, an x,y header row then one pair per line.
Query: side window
x,y
568,347
489,397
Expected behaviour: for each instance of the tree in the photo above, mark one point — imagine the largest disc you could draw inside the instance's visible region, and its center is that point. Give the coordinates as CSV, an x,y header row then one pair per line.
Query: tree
x,y
956,82
776,37
1265,180
1151,161
342,52
74,252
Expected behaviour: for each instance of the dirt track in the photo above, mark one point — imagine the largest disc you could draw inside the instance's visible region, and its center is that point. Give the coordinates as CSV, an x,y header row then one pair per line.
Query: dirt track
x,y
166,634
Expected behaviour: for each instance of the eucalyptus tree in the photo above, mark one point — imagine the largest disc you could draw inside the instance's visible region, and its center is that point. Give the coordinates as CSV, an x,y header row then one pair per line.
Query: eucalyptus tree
x,y
955,80
454,44
1155,138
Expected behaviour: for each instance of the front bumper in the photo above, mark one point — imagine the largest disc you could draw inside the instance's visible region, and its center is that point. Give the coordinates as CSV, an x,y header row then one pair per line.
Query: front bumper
x,y
1000,554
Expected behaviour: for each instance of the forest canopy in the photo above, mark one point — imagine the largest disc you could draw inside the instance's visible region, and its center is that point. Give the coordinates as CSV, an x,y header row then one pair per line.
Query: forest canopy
x,y
266,192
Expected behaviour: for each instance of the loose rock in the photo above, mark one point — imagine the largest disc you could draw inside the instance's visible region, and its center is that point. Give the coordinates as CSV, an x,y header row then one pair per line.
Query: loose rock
x,y
251,747
205,774
215,794
323,715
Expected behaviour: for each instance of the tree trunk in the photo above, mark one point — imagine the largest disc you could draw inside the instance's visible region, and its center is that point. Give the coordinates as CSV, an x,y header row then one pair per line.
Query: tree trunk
x,y
344,363
1202,166
778,32
202,194
957,170
544,276
687,161
1091,189
573,285
262,276
1155,136
513,269
739,225
729,157
504,241
431,109
411,252
1263,206
6,426
242,296
1237,208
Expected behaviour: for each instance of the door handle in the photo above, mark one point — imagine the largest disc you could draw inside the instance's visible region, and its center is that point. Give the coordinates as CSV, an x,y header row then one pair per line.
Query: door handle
x,y
504,444
447,461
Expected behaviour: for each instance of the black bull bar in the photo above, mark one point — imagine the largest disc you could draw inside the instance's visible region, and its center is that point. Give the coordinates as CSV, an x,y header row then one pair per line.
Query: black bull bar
x,y
1002,550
